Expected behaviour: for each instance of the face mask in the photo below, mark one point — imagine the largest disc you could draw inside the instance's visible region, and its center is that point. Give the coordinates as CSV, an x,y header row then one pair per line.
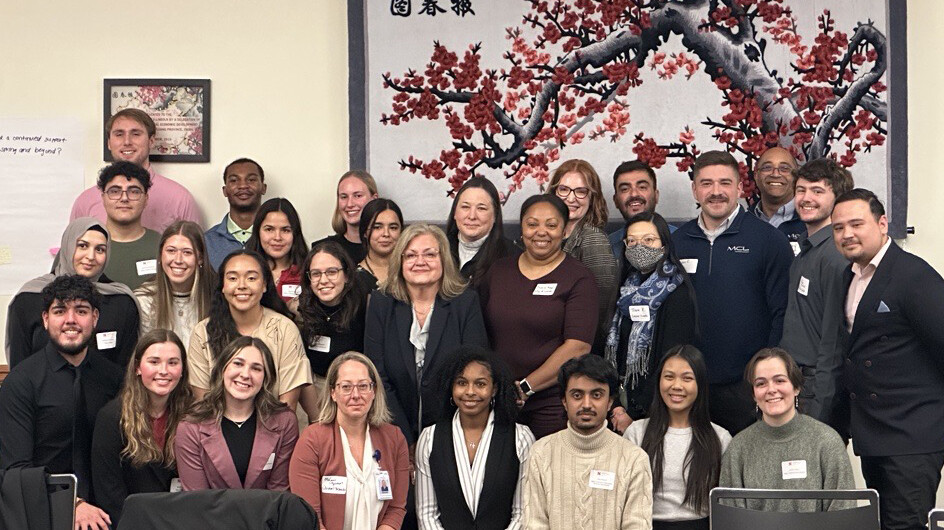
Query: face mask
x,y
642,258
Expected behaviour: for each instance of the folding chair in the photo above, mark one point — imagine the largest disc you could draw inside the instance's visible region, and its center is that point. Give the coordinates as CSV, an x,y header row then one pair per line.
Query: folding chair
x,y
61,489
936,519
725,517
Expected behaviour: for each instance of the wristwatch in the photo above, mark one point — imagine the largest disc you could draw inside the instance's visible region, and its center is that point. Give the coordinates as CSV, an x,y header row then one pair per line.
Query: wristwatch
x,y
526,388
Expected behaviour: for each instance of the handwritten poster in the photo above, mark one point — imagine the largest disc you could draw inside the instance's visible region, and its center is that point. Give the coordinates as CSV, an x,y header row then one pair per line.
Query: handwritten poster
x,y
41,173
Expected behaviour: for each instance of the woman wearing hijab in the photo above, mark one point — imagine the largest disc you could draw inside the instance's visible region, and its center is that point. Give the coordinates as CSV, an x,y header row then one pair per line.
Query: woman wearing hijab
x,y
84,251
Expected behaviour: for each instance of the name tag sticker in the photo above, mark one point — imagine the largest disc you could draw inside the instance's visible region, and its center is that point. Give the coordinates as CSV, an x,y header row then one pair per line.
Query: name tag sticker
x,y
793,469
333,484
320,343
544,289
804,287
690,265
603,480
384,491
146,267
106,340
639,313
175,486
269,463
796,248
291,291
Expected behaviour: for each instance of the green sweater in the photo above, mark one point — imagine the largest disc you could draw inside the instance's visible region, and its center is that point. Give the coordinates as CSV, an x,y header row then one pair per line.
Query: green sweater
x,y
803,454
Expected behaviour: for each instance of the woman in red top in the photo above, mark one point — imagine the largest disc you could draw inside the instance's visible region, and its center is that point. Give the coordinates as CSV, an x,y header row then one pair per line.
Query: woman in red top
x,y
277,235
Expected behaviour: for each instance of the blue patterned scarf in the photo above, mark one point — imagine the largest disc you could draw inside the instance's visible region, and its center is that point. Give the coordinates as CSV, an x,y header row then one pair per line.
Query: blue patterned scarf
x,y
635,292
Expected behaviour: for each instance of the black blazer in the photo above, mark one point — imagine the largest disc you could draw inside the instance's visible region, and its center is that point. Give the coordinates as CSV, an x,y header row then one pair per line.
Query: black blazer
x,y
113,477
387,342
894,366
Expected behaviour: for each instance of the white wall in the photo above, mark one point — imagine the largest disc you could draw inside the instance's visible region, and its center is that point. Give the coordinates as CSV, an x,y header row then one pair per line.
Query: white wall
x,y
279,84
279,72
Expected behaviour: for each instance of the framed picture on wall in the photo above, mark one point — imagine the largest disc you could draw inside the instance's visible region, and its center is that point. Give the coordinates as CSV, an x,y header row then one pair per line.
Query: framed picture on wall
x,y
180,109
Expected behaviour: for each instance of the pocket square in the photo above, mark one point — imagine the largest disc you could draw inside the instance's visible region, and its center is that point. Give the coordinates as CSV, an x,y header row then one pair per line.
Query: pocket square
x,y
882,308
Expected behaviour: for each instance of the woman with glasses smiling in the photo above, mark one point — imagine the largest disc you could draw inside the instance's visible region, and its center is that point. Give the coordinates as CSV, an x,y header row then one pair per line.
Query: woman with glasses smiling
x,y
420,316
352,466
655,311
329,313
578,185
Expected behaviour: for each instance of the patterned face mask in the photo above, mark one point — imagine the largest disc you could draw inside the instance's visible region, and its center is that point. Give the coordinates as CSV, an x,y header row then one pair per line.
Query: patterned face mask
x,y
642,258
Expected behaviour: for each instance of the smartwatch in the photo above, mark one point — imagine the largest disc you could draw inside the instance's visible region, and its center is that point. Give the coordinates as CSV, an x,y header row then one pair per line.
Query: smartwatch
x,y
526,388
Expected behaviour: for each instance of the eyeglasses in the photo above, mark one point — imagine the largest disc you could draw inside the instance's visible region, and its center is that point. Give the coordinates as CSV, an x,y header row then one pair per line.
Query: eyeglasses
x,y
563,191
134,193
428,255
649,241
347,388
768,169
331,274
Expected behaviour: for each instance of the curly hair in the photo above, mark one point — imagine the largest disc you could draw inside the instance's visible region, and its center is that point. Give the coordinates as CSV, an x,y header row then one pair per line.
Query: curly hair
x,y
505,405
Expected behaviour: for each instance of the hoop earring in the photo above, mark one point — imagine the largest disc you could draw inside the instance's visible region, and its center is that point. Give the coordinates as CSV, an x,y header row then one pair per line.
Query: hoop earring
x,y
491,404
452,402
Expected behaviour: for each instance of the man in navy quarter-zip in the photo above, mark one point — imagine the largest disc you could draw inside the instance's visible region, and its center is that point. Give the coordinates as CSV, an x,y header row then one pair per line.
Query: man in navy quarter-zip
x,y
740,267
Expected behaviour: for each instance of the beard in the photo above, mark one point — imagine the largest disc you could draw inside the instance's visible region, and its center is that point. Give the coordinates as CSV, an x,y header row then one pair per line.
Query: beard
x,y
72,349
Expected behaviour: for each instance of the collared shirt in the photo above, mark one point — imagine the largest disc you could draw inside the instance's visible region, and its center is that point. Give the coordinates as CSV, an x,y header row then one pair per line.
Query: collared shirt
x,y
813,325
241,235
861,276
783,214
37,410
713,234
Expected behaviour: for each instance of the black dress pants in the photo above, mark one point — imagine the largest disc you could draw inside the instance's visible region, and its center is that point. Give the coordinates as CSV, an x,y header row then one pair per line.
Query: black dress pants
x,y
906,485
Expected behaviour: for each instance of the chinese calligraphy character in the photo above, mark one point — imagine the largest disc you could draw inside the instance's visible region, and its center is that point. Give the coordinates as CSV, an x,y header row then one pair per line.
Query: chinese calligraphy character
x,y
400,8
461,7
431,8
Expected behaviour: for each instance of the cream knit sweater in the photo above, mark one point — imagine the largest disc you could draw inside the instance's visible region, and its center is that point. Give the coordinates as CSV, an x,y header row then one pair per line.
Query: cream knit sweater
x,y
558,492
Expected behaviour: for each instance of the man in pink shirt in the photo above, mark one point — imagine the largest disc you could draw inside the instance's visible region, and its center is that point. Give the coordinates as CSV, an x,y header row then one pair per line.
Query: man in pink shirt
x,y
130,138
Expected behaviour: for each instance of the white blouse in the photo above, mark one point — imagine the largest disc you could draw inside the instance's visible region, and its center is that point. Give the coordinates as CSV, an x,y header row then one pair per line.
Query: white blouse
x,y
471,475
361,505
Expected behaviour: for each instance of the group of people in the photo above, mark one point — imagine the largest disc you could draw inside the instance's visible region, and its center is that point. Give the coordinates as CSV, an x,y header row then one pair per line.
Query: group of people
x,y
459,379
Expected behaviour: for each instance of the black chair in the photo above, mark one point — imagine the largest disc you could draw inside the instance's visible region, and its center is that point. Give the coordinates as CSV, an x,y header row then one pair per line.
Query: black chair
x,y
62,494
936,519
230,509
725,517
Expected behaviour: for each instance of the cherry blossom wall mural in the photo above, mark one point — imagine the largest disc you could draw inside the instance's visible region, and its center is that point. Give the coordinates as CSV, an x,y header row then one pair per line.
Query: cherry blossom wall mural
x,y
508,89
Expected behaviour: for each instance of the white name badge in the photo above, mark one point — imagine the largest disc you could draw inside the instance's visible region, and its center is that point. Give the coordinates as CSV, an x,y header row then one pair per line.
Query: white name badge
x,y
269,463
334,484
804,287
639,313
793,469
175,486
384,491
291,291
603,480
146,267
544,289
106,340
796,248
320,343
690,265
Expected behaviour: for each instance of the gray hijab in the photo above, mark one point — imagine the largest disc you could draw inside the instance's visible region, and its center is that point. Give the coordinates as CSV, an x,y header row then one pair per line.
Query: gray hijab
x,y
63,265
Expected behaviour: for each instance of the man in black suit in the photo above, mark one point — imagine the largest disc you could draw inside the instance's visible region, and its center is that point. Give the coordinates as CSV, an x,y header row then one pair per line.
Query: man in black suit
x,y
894,364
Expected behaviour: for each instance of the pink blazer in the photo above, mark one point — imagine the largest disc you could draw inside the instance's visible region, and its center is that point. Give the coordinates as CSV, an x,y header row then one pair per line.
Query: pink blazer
x,y
320,453
204,460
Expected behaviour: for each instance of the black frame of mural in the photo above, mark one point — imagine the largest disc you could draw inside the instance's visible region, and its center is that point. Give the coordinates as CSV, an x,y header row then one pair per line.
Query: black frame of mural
x,y
203,84
897,75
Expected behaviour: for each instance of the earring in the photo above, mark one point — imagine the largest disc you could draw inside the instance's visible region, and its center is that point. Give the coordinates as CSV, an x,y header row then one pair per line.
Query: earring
x,y
452,402
491,403
756,410
796,402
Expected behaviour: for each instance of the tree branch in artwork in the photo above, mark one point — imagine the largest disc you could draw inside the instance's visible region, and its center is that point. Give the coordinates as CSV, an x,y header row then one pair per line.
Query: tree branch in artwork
x,y
570,68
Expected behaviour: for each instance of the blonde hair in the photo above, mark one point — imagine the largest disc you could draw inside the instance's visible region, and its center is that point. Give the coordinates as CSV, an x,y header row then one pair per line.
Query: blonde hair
x,y
452,283
140,446
598,213
160,290
337,220
378,414
213,404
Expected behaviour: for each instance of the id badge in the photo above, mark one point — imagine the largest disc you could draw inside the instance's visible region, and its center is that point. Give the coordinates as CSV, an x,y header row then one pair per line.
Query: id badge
x,y
384,490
